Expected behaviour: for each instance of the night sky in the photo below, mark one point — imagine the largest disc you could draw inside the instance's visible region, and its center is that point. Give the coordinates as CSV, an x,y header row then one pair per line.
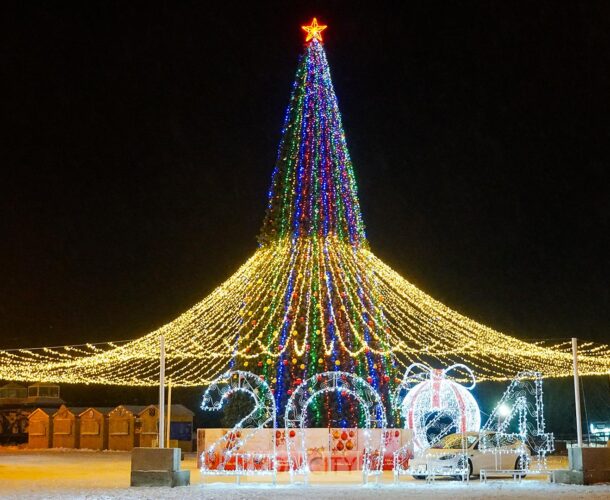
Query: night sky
x,y
139,139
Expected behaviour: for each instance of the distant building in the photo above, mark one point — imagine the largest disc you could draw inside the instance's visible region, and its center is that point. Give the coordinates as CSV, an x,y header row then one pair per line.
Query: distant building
x,y
16,404
44,395
40,407
12,393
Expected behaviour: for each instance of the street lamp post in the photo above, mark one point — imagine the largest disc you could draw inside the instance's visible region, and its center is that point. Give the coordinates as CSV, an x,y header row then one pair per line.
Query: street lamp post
x,y
577,392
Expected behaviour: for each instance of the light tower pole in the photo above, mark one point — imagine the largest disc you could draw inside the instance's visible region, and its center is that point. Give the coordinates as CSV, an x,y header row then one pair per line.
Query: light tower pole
x,y
577,391
162,392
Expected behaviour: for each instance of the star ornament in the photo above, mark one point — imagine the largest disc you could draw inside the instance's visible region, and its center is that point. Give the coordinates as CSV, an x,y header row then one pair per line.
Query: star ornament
x,y
314,30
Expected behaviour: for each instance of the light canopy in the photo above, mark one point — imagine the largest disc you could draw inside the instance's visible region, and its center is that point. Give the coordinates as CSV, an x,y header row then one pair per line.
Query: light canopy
x,y
313,298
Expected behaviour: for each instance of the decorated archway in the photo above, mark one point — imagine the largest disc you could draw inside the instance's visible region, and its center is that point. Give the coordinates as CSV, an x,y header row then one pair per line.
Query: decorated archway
x,y
343,384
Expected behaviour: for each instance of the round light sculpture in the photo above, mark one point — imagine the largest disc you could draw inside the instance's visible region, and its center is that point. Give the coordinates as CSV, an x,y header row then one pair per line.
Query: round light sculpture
x,y
436,400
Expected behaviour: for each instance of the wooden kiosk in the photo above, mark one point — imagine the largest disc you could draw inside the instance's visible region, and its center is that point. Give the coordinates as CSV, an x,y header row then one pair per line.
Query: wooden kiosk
x,y
122,428
149,427
40,424
94,428
65,428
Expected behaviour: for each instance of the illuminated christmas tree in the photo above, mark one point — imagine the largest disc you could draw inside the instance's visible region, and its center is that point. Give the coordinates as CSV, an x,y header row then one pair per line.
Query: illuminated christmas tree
x,y
312,298
319,309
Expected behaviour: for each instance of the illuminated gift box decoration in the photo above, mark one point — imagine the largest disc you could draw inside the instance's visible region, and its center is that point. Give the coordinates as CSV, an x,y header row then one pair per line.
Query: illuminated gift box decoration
x,y
436,399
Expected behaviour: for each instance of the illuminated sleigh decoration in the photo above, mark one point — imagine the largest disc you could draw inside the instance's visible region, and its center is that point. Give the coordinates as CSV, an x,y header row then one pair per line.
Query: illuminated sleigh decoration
x,y
522,402
433,406
225,456
345,384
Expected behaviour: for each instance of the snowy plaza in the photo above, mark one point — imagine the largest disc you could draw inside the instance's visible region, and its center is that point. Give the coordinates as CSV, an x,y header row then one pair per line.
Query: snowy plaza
x,y
311,367
86,475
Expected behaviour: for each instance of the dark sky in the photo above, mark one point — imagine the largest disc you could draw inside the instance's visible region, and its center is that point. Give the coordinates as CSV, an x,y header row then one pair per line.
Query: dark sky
x,y
139,138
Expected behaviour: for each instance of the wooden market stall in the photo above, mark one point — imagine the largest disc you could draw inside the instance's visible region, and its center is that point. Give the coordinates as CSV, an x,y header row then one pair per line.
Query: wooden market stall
x,y
65,428
94,428
40,428
122,427
149,427
180,429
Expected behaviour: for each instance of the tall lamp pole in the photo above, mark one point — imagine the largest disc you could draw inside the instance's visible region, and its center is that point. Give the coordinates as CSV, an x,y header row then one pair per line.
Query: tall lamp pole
x,y
169,412
577,392
162,392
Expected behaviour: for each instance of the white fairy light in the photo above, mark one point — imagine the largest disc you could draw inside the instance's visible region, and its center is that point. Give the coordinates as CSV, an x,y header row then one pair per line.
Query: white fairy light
x,y
345,384
433,397
504,410
523,399
426,400
215,459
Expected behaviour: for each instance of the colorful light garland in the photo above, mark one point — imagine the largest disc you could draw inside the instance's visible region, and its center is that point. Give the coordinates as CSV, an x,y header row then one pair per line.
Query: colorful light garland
x,y
341,385
313,298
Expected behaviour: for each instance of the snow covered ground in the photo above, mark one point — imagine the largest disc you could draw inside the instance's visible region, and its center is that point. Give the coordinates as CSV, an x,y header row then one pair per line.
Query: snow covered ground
x,y
67,474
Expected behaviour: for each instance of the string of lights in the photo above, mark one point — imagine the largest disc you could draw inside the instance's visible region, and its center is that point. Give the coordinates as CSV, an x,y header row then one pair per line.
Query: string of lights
x,y
225,456
342,384
522,401
431,393
312,298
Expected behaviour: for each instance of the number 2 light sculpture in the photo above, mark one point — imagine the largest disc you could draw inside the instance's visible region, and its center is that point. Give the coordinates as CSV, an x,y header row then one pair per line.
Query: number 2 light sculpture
x,y
226,455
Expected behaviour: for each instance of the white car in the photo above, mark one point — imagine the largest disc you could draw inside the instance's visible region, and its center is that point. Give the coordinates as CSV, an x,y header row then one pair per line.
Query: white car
x,y
458,454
